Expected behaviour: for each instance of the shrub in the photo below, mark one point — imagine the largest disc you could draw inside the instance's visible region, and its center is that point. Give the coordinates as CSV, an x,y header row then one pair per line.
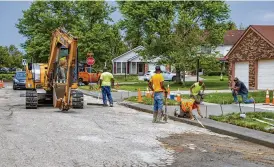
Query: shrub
x,y
6,77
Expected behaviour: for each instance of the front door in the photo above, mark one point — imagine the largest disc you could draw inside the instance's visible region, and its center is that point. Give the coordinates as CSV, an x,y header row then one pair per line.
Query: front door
x,y
141,68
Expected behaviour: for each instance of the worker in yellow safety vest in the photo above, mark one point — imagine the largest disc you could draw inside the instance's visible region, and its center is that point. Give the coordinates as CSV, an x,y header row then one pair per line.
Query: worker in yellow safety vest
x,y
195,91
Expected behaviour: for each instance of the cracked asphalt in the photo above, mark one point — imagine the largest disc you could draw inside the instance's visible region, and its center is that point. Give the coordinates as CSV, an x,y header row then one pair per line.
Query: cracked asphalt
x,y
104,136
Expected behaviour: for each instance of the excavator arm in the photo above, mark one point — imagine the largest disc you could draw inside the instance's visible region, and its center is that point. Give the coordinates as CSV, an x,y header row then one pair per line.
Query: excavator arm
x,y
61,38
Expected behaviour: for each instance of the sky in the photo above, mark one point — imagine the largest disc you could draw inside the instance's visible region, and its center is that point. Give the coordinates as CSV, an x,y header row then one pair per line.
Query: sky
x,y
242,12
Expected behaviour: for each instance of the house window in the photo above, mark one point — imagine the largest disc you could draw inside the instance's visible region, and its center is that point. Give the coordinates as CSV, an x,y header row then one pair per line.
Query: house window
x,y
206,50
124,67
118,67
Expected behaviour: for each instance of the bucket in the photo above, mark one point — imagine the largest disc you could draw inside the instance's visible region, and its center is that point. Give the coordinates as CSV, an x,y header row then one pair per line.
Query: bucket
x,y
172,97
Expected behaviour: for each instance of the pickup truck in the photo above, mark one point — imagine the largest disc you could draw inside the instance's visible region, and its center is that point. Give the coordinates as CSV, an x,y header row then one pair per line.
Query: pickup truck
x,y
86,76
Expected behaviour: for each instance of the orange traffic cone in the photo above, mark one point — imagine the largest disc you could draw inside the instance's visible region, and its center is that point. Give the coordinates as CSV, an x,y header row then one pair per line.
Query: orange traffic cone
x,y
178,96
1,84
148,95
139,96
272,99
267,100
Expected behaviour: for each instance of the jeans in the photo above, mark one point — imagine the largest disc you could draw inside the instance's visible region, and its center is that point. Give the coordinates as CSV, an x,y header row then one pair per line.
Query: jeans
x,y
106,92
158,101
198,98
244,97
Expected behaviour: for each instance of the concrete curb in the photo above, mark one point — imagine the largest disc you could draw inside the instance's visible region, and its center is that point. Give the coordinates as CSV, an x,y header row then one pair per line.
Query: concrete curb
x,y
217,129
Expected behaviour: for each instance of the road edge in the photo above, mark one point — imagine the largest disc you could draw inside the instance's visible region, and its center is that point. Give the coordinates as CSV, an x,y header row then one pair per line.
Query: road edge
x,y
215,129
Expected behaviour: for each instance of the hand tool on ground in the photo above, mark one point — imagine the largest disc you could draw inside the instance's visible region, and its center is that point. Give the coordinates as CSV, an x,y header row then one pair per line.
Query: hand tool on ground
x,y
198,121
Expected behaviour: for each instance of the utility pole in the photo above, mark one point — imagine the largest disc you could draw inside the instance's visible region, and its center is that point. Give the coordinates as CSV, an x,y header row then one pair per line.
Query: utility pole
x,y
198,67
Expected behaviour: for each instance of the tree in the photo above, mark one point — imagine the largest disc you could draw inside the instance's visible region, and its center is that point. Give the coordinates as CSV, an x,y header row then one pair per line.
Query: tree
x,y
177,31
242,27
84,19
143,18
10,56
231,26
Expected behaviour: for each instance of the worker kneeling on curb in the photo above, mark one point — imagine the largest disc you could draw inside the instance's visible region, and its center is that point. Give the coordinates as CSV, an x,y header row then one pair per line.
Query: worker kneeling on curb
x,y
156,84
186,108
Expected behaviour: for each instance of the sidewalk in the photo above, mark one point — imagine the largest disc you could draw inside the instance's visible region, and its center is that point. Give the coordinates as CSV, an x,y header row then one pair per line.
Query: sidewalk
x,y
255,136
206,109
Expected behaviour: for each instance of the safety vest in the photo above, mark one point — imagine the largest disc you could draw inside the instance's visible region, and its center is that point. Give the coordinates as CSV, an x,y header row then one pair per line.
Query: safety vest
x,y
188,105
196,88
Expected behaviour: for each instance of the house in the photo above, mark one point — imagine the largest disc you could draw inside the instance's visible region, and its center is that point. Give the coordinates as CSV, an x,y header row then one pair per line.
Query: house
x,y
251,59
230,38
132,63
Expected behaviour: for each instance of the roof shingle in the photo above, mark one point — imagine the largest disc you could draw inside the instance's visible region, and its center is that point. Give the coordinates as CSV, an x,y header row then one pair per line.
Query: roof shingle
x,y
232,36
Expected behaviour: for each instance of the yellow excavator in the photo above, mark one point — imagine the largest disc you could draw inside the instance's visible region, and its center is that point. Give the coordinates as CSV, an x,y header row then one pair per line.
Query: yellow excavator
x,y
43,80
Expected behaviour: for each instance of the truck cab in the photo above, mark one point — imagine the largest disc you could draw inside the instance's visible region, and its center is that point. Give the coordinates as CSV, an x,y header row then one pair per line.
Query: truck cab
x,y
88,75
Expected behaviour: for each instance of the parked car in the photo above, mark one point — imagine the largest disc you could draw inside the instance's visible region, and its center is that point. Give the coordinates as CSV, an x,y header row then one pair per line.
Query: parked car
x,y
4,70
168,76
12,69
19,80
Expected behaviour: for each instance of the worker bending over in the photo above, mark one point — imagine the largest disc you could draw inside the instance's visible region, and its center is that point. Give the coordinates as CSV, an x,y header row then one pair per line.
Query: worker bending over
x,y
195,91
106,81
156,84
186,108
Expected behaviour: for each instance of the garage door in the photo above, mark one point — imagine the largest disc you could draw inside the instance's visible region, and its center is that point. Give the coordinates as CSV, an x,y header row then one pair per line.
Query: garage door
x,y
242,72
266,74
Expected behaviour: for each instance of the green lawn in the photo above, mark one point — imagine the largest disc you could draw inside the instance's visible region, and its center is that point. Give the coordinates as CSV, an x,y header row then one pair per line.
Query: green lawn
x,y
219,98
211,82
227,98
248,122
128,78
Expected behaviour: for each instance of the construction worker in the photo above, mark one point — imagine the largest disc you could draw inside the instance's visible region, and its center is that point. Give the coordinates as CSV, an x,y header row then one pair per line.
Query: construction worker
x,y
187,106
156,84
106,81
195,91
63,67
240,89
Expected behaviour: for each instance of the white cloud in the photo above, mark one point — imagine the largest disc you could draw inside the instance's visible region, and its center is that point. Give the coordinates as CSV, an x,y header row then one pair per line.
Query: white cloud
x,y
268,16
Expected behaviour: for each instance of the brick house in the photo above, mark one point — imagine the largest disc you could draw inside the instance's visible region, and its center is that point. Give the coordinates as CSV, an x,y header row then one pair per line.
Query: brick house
x,y
251,59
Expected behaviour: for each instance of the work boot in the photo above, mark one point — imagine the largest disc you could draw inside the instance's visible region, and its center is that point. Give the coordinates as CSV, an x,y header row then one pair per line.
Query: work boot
x,y
154,117
159,117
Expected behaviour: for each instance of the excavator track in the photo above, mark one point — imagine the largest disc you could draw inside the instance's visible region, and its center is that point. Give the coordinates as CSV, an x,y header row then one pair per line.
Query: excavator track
x,y
77,99
31,99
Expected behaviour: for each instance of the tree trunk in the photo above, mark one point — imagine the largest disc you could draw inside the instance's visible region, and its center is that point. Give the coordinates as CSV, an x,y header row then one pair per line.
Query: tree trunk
x,y
178,75
184,77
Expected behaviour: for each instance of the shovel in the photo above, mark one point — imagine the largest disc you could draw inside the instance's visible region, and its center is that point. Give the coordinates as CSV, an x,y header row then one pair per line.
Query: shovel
x,y
198,121
165,112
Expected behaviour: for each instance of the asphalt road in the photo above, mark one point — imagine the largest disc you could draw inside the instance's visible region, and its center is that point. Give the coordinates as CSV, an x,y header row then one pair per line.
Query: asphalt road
x,y
118,136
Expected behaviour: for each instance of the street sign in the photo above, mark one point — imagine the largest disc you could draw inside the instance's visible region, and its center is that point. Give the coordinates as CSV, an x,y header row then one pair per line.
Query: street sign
x,y
90,61
24,62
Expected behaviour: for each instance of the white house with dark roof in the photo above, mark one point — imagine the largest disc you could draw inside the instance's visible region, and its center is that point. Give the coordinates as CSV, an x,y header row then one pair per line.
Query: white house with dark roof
x,y
132,63
230,39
